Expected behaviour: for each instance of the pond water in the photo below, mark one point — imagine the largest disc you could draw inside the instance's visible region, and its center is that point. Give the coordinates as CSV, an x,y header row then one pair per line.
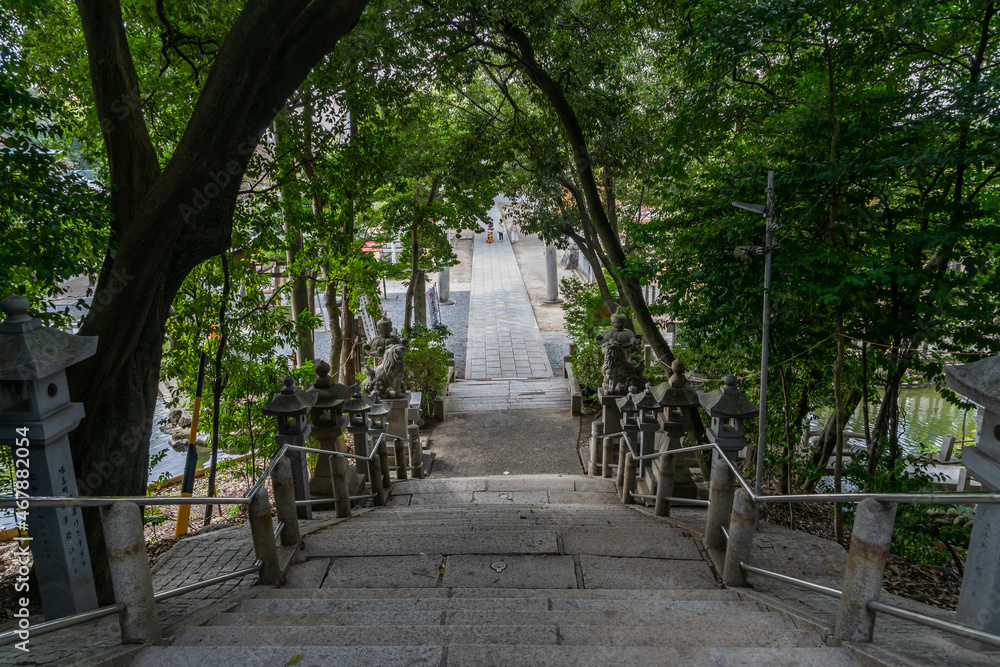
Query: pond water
x,y
925,418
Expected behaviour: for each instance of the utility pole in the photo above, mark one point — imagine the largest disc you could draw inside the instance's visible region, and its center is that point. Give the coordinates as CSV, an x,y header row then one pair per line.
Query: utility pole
x,y
746,253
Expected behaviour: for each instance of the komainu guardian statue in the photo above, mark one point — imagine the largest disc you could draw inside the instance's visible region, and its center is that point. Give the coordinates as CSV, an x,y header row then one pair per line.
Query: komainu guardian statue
x,y
387,377
619,373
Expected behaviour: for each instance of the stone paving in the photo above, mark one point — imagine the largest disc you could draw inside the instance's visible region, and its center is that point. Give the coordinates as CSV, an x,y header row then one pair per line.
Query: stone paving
x,y
503,340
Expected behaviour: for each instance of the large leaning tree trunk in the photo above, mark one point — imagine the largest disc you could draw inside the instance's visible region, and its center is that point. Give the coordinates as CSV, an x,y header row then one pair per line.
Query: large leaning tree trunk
x,y
168,221
552,90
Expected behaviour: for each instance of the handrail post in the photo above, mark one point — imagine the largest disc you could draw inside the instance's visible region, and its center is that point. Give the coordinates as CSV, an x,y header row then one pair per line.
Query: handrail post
x,y
399,453
130,573
629,486
741,529
866,559
664,485
608,455
284,502
416,452
383,459
721,499
620,473
596,449
375,477
262,532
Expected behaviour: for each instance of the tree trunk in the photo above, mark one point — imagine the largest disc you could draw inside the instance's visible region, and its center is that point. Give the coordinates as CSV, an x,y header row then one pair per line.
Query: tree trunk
x,y
631,288
838,367
336,335
299,297
218,385
828,438
168,222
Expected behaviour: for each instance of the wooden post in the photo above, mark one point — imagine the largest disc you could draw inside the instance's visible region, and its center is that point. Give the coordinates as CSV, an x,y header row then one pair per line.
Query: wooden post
x,y
416,455
741,528
664,486
284,501
596,429
130,573
630,470
262,531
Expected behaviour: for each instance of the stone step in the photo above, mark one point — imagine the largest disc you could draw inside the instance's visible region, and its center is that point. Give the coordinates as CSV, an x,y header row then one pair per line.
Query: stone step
x,y
705,594
439,635
405,530
580,483
707,617
506,542
468,655
518,604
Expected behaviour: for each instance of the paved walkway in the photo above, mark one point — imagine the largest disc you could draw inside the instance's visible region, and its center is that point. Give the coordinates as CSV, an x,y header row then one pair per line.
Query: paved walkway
x,y
503,341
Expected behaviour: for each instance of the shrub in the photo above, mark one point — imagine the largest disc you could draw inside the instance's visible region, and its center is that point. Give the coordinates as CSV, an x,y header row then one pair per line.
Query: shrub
x,y
426,364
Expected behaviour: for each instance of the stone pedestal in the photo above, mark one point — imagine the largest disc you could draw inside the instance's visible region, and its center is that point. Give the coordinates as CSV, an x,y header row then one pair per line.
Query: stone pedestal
x,y
612,417
398,415
979,600
321,482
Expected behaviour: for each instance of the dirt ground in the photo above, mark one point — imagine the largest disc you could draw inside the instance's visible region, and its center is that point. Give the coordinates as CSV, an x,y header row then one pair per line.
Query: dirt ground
x,y
530,253
462,272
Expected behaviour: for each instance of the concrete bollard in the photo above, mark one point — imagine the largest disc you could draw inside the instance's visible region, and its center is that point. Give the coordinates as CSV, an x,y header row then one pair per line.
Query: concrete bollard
x,y
399,453
383,460
866,558
375,477
609,455
342,495
262,531
741,529
416,455
721,507
622,451
629,487
130,574
284,502
596,449
664,486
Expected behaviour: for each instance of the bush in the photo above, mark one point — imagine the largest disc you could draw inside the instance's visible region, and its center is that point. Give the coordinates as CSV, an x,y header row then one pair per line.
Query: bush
x,y
426,364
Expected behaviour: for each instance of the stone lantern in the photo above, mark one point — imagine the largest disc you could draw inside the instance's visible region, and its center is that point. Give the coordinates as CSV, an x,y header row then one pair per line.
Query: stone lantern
x,y
648,425
727,407
291,406
36,417
328,424
358,407
378,426
677,397
979,600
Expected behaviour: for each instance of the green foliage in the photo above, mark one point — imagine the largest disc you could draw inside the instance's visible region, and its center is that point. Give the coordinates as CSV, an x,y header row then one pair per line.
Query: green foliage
x,y
426,364
54,223
586,317
914,534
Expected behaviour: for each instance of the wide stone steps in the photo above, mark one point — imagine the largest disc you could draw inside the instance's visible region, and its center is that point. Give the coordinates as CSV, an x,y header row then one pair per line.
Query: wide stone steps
x,y
460,575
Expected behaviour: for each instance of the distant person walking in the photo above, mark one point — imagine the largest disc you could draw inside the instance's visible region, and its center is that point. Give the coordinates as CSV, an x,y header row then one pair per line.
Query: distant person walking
x,y
500,230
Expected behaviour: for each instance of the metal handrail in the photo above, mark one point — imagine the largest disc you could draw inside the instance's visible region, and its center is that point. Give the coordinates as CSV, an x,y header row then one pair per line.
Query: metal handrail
x,y
11,636
312,450
267,471
943,498
913,616
7,502
204,583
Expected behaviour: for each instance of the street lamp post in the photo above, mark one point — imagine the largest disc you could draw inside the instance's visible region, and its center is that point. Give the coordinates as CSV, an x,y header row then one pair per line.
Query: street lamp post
x,y
767,251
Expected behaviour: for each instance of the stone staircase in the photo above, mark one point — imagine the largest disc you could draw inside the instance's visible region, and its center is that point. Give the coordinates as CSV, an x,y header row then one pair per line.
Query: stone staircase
x,y
506,570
